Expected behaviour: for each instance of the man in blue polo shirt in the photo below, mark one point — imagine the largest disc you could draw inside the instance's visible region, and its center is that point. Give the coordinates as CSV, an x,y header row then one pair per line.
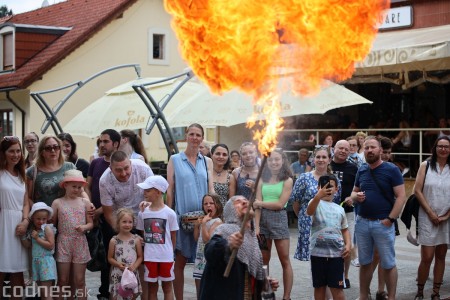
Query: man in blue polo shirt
x,y
380,193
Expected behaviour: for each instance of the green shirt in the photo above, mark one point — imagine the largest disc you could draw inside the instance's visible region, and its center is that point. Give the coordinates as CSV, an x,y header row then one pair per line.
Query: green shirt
x,y
46,186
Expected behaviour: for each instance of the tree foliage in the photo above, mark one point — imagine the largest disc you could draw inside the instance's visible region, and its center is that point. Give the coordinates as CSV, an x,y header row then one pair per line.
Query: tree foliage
x,y
4,11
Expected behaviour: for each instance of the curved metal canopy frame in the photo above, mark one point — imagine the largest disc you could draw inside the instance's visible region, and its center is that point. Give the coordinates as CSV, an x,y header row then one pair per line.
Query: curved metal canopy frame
x,y
50,114
155,108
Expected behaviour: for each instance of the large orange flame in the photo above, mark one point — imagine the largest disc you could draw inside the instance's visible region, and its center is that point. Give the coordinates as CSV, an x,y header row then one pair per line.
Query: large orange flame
x,y
239,43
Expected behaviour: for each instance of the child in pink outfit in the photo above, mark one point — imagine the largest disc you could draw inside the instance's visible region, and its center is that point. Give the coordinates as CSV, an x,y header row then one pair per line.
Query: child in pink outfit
x,y
72,219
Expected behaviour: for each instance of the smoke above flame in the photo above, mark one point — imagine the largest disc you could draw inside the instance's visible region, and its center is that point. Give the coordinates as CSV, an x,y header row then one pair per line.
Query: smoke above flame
x,y
244,44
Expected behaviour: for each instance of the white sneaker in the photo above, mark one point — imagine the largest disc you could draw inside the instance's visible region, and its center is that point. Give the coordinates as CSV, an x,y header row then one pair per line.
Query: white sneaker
x,y
355,262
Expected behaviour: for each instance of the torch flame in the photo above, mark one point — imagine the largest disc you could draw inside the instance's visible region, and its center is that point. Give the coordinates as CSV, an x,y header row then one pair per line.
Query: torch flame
x,y
239,43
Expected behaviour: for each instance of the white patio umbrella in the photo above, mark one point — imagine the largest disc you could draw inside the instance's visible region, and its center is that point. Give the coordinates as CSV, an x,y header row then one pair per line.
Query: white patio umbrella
x,y
122,108
235,107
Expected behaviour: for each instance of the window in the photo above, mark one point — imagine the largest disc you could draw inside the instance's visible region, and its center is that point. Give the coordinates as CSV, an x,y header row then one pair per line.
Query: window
x,y
158,53
158,46
7,48
6,122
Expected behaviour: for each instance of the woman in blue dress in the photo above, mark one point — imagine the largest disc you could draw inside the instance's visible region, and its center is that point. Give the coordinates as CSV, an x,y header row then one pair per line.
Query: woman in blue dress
x,y
305,188
189,177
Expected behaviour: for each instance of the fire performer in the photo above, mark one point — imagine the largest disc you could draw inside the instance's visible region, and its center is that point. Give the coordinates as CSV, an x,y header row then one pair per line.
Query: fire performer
x,y
246,279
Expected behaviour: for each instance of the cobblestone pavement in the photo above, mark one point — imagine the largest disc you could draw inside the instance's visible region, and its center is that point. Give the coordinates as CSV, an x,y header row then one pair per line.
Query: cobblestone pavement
x,y
408,257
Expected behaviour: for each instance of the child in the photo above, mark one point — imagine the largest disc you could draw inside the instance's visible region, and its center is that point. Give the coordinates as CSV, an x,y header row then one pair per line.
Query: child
x,y
42,245
159,225
125,251
212,207
72,220
330,240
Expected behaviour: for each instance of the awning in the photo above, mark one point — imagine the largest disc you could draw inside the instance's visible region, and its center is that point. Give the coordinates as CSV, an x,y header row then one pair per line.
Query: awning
x,y
424,49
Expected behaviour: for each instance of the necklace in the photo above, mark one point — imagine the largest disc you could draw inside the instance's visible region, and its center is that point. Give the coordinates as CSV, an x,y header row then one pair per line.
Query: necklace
x,y
218,173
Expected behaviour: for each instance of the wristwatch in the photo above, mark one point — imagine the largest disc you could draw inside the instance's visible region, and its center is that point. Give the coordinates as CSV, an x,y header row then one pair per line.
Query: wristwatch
x,y
391,219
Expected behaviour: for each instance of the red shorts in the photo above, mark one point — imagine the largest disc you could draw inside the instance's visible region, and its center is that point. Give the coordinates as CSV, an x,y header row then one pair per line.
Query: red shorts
x,y
155,271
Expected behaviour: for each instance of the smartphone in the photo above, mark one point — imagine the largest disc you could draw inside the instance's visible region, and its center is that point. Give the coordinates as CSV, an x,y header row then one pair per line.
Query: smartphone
x,y
324,180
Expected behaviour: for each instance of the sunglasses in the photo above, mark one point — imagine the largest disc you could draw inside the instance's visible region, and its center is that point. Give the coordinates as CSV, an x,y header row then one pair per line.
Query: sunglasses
x,y
10,138
52,148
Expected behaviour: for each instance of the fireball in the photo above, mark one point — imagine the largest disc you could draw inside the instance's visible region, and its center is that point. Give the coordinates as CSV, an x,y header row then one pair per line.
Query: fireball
x,y
249,44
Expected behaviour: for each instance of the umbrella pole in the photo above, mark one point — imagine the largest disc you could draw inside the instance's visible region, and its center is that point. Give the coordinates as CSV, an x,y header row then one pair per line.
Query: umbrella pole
x,y
246,216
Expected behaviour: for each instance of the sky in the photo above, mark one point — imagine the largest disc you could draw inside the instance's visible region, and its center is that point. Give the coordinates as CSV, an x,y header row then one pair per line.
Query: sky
x,y
20,6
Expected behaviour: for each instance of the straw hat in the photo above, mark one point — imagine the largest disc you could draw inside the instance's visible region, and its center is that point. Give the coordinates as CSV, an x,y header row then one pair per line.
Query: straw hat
x,y
73,176
41,206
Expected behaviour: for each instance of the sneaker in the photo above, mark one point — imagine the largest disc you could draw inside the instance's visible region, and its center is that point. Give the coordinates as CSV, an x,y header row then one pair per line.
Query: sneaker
x,y
381,296
347,283
355,262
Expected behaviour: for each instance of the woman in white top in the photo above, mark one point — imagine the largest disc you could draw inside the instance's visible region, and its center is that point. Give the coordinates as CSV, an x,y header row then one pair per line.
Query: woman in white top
x,y
434,212
13,222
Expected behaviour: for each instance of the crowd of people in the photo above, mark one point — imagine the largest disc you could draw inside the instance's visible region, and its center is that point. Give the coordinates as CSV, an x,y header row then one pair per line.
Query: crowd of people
x,y
347,197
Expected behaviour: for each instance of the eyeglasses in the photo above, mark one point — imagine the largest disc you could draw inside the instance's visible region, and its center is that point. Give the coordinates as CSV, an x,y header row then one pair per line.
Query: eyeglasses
x,y
52,148
443,147
30,141
10,138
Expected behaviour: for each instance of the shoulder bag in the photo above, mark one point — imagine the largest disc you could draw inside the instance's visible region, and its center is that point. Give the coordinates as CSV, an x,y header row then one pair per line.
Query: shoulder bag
x,y
412,206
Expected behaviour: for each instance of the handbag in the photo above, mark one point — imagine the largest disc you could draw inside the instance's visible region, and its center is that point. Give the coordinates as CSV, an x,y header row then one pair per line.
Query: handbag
x,y
189,219
412,205
96,250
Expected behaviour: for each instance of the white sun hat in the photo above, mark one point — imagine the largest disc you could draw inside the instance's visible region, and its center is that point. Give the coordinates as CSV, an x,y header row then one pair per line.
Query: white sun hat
x,y
41,206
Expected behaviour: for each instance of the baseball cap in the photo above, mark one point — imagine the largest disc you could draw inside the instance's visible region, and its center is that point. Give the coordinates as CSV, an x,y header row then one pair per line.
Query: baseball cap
x,y
157,181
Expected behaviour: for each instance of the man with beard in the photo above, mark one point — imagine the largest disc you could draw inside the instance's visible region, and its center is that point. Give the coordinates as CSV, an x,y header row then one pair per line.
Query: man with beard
x,y
380,193
345,171
109,141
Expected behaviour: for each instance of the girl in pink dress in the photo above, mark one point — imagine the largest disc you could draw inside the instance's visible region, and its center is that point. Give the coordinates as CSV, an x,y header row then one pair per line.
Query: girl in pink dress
x,y
72,251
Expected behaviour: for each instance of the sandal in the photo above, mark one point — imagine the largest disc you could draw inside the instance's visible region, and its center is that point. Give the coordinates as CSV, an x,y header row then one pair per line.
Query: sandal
x,y
436,287
381,296
435,297
419,295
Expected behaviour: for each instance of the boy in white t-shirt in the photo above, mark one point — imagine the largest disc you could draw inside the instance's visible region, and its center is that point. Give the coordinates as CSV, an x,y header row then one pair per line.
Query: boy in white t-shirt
x,y
159,225
329,241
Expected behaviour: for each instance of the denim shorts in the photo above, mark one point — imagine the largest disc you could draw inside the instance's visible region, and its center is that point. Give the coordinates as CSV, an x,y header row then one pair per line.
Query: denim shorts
x,y
370,234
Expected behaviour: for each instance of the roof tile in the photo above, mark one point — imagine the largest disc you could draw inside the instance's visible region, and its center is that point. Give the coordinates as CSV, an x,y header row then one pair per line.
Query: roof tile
x,y
86,17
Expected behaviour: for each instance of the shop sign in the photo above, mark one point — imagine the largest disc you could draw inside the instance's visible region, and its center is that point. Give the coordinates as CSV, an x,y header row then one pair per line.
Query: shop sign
x,y
397,18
